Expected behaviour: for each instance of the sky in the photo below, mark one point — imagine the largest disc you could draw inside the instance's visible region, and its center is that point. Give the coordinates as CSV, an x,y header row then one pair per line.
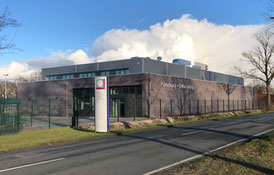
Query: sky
x,y
66,32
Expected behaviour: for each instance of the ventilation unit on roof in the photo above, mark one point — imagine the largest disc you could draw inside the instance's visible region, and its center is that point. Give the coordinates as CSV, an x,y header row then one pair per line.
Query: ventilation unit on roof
x,y
181,62
159,58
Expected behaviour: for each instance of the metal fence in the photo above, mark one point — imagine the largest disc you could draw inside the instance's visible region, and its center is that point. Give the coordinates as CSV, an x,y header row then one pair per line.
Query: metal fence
x,y
10,116
45,113
42,114
163,108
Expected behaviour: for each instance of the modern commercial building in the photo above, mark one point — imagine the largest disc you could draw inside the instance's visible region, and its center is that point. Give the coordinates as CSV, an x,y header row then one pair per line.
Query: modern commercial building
x,y
139,87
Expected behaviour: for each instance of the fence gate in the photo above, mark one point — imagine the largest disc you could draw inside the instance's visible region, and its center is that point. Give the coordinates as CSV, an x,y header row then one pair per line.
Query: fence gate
x,y
10,116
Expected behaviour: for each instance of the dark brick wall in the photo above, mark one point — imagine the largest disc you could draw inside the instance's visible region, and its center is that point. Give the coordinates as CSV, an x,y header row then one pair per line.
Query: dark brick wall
x,y
202,90
61,93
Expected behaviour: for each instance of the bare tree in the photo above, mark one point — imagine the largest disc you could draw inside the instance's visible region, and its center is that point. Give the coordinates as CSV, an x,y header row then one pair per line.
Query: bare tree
x,y
12,89
34,76
260,61
6,42
229,89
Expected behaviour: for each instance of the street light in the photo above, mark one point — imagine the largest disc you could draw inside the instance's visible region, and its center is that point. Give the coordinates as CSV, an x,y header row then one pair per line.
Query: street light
x,y
6,85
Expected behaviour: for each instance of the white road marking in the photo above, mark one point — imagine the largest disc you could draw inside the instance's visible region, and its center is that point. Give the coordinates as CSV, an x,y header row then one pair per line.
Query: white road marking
x,y
188,133
194,132
33,164
205,153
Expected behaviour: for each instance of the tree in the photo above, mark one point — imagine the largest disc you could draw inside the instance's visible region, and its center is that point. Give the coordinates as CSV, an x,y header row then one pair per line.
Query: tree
x,y
34,76
229,89
12,89
259,87
6,43
260,61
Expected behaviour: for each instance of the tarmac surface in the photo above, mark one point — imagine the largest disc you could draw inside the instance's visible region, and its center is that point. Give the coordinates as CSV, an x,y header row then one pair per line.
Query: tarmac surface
x,y
144,152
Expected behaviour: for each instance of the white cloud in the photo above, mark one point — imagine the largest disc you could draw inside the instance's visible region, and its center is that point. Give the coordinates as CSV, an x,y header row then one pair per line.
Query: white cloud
x,y
79,57
219,46
56,58
13,69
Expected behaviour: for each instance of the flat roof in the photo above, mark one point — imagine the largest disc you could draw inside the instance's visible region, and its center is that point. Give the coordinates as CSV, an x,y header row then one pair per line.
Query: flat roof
x,y
141,65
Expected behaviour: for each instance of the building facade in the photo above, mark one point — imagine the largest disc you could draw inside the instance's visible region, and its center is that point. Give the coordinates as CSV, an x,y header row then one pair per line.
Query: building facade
x,y
139,87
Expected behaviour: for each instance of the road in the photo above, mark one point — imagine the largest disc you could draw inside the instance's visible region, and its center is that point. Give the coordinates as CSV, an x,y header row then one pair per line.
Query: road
x,y
137,153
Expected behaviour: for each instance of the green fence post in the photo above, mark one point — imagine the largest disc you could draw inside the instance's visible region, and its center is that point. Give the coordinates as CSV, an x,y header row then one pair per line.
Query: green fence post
x,y
49,113
18,116
31,115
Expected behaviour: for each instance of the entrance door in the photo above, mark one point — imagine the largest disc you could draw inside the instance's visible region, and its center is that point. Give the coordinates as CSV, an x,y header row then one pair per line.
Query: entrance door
x,y
84,102
117,107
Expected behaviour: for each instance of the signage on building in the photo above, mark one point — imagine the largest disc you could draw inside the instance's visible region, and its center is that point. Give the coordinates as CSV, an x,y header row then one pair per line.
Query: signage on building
x,y
176,86
101,105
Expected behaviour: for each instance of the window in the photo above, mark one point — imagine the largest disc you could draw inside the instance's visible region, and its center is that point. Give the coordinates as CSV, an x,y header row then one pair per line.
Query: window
x,y
125,90
132,89
117,72
139,89
127,71
122,72
81,75
51,77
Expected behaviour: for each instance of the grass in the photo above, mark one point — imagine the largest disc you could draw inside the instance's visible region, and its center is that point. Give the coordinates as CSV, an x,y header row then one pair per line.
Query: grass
x,y
47,137
254,157
34,139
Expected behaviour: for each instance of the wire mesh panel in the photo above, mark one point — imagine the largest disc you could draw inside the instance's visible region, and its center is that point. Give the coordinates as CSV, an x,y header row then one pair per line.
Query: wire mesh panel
x,y
165,107
10,117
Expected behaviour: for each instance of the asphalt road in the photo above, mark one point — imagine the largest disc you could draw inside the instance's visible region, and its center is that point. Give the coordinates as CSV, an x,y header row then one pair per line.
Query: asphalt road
x,y
137,153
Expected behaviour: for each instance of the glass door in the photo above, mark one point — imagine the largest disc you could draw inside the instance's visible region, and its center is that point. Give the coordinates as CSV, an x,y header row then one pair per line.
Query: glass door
x,y
117,107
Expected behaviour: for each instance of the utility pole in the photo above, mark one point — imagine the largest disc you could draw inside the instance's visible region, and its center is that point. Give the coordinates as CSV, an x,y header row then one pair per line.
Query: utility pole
x,y
6,84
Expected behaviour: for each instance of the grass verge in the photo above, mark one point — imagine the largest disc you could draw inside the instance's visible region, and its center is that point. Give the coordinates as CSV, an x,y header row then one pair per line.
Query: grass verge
x,y
253,157
34,139
47,137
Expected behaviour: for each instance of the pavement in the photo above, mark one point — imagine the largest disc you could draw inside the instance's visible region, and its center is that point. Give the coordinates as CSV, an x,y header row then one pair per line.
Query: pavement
x,y
144,152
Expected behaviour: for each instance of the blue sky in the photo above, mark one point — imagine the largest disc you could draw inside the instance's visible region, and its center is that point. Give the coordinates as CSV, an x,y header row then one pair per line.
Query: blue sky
x,y
65,32
51,25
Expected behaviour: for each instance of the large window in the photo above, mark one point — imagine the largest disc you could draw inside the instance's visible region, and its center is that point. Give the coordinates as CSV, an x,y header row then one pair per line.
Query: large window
x,y
88,74
125,101
125,90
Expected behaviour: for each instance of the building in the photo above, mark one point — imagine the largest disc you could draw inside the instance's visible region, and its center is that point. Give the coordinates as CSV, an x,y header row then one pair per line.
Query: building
x,y
140,87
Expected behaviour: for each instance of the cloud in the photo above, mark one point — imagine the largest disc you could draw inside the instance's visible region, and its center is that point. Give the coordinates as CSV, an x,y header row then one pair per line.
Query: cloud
x,y
219,46
55,59
79,57
14,68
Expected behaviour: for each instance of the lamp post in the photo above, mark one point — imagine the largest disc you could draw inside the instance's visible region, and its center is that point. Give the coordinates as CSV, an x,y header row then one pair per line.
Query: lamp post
x,y
6,84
